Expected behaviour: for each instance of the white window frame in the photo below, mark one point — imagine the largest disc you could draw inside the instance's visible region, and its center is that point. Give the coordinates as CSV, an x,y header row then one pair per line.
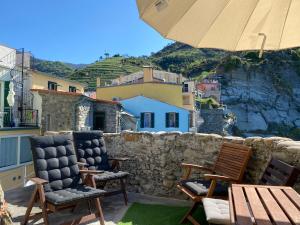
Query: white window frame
x,y
18,152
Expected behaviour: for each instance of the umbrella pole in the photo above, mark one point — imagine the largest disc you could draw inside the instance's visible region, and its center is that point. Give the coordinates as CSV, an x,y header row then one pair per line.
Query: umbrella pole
x,y
261,51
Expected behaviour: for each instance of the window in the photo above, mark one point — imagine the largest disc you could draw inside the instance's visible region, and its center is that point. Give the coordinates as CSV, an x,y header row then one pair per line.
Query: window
x,y
52,86
172,119
72,89
147,120
186,100
14,151
185,88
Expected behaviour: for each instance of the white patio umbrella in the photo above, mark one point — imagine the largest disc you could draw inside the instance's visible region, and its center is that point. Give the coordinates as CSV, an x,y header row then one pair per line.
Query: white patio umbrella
x,y
233,25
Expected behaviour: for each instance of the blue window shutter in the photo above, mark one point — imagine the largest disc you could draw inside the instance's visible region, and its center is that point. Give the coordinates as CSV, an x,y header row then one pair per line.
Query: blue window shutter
x,y
152,120
167,120
8,151
25,150
177,120
142,120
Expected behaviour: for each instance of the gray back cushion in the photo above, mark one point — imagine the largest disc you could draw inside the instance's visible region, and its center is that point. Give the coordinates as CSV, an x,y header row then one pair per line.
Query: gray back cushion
x,y
90,149
55,161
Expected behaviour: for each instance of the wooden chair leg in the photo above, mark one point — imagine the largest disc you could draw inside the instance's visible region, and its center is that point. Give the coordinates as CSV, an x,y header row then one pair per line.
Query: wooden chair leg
x,y
123,187
30,206
188,215
99,211
43,204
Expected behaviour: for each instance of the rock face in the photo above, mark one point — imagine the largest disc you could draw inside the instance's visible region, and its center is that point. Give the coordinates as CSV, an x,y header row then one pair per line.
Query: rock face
x,y
213,121
155,158
264,103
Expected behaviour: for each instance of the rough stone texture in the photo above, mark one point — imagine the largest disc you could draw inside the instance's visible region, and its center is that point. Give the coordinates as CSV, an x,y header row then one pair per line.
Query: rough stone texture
x,y
155,158
261,106
112,116
213,121
75,112
58,112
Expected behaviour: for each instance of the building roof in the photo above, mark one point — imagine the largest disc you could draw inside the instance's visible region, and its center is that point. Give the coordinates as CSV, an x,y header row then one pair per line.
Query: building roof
x,y
156,74
58,77
153,99
153,82
75,94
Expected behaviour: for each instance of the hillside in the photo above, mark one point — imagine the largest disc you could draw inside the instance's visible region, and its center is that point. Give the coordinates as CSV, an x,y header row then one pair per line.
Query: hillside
x,y
262,94
54,67
108,69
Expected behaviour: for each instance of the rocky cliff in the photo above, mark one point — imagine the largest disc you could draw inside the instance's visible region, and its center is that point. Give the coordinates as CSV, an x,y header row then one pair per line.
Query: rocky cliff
x,y
265,101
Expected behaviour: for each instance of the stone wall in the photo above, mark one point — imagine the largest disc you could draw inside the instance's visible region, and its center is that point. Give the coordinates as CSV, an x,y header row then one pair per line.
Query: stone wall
x,y
155,158
112,115
71,111
213,121
58,111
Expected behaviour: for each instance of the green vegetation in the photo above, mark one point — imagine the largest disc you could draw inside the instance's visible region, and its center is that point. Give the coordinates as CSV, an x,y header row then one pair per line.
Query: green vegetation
x,y
53,67
108,69
179,58
207,103
142,214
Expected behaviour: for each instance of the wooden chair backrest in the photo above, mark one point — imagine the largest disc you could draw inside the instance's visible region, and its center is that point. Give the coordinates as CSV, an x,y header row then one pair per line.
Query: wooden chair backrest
x,y
232,161
279,173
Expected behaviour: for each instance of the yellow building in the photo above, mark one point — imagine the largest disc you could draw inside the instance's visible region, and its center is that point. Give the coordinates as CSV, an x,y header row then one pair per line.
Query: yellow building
x,y
15,162
178,93
44,81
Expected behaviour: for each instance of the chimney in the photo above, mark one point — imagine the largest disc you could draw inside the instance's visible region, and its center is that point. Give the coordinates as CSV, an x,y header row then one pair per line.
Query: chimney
x,y
98,82
179,79
148,73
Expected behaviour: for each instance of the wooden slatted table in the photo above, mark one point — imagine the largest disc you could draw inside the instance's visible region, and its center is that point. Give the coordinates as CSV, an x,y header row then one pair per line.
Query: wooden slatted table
x,y
264,205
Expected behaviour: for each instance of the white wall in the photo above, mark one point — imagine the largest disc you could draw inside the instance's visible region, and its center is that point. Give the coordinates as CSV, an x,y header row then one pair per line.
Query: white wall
x,y
7,56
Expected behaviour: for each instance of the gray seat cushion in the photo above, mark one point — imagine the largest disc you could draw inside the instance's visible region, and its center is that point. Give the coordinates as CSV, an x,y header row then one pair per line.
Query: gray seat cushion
x,y
55,160
70,195
110,175
200,187
216,211
90,149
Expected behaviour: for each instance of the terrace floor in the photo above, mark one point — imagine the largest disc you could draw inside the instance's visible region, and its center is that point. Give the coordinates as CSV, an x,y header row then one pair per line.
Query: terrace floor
x,y
113,207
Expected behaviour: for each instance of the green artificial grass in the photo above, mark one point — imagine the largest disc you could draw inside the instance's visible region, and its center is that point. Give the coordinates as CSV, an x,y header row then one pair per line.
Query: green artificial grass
x,y
148,214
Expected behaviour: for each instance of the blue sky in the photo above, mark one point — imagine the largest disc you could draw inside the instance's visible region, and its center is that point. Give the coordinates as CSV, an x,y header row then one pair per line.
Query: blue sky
x,y
77,31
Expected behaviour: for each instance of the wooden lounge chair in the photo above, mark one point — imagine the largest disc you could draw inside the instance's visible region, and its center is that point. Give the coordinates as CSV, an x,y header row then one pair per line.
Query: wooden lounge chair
x,y
279,173
228,168
59,184
90,149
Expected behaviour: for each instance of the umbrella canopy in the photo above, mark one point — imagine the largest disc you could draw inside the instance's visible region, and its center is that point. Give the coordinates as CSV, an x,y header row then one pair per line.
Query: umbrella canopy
x,y
233,25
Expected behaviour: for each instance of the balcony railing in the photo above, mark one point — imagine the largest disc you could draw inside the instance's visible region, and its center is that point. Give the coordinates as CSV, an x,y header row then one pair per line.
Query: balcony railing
x,y
24,118
29,118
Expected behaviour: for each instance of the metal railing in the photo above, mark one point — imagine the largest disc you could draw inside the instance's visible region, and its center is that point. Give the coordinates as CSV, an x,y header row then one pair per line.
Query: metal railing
x,y
29,118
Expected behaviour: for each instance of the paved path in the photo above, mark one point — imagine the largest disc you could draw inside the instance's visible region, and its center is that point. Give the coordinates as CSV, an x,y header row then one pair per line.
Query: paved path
x,y
113,207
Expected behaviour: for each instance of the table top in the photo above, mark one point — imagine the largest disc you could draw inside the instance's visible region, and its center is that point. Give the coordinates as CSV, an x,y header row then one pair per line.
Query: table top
x,y
264,205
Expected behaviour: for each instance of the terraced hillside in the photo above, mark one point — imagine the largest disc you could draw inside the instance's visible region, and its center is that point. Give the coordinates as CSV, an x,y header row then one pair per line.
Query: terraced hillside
x,y
108,69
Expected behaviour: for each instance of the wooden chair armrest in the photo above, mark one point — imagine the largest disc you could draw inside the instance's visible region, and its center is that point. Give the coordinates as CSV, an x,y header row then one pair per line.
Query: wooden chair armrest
x,y
92,171
218,177
82,164
188,169
119,158
116,162
194,166
38,181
